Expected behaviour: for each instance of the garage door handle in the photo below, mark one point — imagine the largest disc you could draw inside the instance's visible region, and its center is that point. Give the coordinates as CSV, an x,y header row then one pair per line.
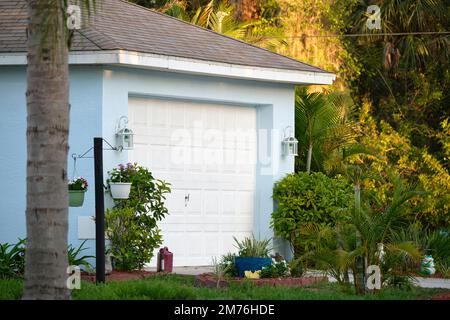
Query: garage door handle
x,y
186,199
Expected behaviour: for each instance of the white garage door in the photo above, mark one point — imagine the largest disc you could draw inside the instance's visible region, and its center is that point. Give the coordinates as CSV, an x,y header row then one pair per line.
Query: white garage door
x,y
207,152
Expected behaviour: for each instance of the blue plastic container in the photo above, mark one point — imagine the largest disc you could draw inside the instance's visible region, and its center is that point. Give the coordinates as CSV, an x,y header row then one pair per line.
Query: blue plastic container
x,y
250,264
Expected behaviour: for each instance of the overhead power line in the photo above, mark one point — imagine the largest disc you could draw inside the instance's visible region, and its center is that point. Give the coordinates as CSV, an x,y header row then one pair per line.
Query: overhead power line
x,y
369,34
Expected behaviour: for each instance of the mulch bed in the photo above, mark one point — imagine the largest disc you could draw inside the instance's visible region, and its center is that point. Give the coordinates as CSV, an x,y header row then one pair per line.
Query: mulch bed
x,y
121,275
209,280
441,296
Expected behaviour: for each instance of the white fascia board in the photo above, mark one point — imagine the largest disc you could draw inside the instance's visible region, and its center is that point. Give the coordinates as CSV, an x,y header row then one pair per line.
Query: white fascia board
x,y
184,65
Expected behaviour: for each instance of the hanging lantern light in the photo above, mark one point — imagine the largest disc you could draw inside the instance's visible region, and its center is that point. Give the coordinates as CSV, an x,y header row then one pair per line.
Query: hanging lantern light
x,y
124,135
290,144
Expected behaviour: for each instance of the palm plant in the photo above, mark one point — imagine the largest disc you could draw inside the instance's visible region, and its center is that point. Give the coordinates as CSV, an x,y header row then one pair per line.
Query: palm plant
x,y
403,17
220,17
321,126
340,249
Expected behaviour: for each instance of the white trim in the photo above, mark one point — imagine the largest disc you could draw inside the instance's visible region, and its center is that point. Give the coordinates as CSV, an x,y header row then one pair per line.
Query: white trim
x,y
184,65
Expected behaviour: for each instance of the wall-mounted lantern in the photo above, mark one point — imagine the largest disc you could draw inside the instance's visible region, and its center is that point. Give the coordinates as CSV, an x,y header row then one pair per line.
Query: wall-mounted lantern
x,y
124,135
289,143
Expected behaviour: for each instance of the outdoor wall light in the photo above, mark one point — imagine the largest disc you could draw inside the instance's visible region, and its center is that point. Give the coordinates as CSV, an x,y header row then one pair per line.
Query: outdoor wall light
x,y
124,135
290,144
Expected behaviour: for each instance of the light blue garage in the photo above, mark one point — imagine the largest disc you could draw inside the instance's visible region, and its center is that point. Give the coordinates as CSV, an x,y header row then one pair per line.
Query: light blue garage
x,y
209,115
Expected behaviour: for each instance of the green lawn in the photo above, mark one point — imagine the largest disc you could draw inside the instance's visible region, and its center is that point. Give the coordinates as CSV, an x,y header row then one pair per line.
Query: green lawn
x,y
181,287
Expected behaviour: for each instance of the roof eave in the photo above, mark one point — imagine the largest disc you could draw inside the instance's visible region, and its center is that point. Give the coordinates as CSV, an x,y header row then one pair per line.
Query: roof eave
x,y
185,65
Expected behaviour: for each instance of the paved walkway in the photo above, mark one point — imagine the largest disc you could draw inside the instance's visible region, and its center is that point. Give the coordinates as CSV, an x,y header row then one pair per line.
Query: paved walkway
x,y
421,282
188,270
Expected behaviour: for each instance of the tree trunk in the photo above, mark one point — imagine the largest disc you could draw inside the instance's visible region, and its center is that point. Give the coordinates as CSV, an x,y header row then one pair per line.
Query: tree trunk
x,y
309,158
246,10
47,146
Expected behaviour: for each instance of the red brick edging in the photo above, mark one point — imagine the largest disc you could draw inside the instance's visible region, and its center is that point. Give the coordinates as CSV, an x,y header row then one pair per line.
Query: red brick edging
x,y
210,281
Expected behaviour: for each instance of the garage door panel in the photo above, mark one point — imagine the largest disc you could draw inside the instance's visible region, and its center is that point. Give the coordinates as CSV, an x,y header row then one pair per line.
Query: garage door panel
x,y
196,148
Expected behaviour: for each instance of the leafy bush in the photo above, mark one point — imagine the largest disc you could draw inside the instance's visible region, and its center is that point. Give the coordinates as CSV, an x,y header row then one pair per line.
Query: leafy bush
x,y
296,267
12,259
131,242
228,261
75,259
305,198
147,195
251,247
132,224
277,269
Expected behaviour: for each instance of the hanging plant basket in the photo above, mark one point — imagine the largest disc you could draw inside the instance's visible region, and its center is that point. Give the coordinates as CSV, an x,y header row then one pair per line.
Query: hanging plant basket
x,y
120,190
76,198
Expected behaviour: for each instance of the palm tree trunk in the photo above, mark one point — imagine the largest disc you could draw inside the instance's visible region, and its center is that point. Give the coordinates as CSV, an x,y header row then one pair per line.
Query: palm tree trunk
x,y
309,158
47,146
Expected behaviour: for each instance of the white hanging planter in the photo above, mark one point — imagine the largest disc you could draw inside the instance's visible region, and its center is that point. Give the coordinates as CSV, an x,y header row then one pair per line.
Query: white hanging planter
x,y
120,190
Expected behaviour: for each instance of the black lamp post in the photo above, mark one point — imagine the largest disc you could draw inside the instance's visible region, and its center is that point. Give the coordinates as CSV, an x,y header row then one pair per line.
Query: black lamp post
x,y
99,212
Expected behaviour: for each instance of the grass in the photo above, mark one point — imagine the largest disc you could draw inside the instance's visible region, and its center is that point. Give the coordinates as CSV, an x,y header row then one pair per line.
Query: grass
x,y
181,287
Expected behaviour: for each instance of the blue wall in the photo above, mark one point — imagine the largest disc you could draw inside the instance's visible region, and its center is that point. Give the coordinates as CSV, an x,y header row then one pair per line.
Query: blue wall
x,y
85,113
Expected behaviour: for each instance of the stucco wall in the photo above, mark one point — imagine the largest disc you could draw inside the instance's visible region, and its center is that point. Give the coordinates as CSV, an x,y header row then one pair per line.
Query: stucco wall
x,y
85,113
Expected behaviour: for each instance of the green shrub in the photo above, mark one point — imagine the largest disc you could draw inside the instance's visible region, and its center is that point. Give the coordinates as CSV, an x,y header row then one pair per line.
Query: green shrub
x,y
277,269
147,195
297,268
309,198
12,259
228,261
132,224
131,243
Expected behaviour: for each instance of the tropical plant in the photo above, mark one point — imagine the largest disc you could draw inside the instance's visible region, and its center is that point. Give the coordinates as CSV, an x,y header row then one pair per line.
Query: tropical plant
x,y
438,245
251,247
75,259
321,126
219,270
228,261
132,241
12,259
221,17
308,198
147,196
278,269
132,224
369,235
78,184
443,268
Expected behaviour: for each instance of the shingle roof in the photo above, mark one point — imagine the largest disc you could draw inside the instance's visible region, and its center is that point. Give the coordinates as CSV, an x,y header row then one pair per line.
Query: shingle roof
x,y
118,24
